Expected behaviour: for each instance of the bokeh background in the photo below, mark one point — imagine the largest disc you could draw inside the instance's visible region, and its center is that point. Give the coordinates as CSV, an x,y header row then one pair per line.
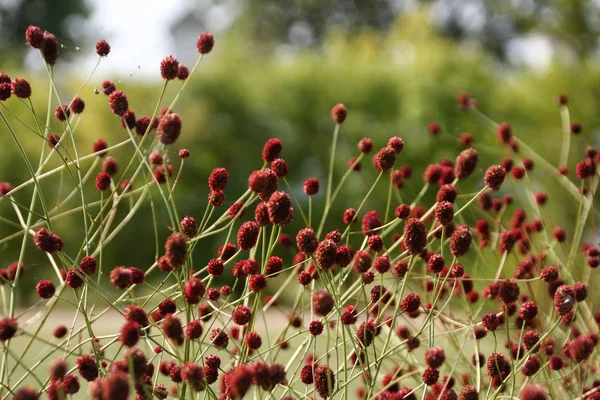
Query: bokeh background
x,y
277,69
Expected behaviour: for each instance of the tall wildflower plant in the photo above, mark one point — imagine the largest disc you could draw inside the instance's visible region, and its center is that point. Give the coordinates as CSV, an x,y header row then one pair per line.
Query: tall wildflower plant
x,y
472,296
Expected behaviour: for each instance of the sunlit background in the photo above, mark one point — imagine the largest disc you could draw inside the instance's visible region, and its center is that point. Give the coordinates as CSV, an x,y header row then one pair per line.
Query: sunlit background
x,y
279,66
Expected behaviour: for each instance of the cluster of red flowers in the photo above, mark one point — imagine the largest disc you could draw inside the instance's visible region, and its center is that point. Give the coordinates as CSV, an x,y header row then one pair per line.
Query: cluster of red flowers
x,y
392,284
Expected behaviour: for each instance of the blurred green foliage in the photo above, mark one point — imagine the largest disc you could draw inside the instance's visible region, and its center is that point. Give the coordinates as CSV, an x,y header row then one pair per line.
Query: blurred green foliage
x,y
393,85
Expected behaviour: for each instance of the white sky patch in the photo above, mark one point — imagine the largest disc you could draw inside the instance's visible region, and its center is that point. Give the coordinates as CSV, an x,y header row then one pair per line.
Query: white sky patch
x,y
534,51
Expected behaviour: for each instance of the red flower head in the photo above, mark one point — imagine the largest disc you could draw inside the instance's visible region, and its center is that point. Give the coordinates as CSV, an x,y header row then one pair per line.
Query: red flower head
x,y
87,367
47,241
102,48
242,315
8,328
62,113
272,149
108,87
248,235
434,128
169,128
466,162
130,334
176,250
169,67
322,303
193,330
34,36
182,72
21,88
280,208
533,392
218,179
460,241
444,212
45,289
564,299
324,380
411,303
415,236
339,113
171,327
193,290
120,277
504,132
102,181
311,186
50,48
385,159
205,43
494,177
365,145
396,143
117,100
